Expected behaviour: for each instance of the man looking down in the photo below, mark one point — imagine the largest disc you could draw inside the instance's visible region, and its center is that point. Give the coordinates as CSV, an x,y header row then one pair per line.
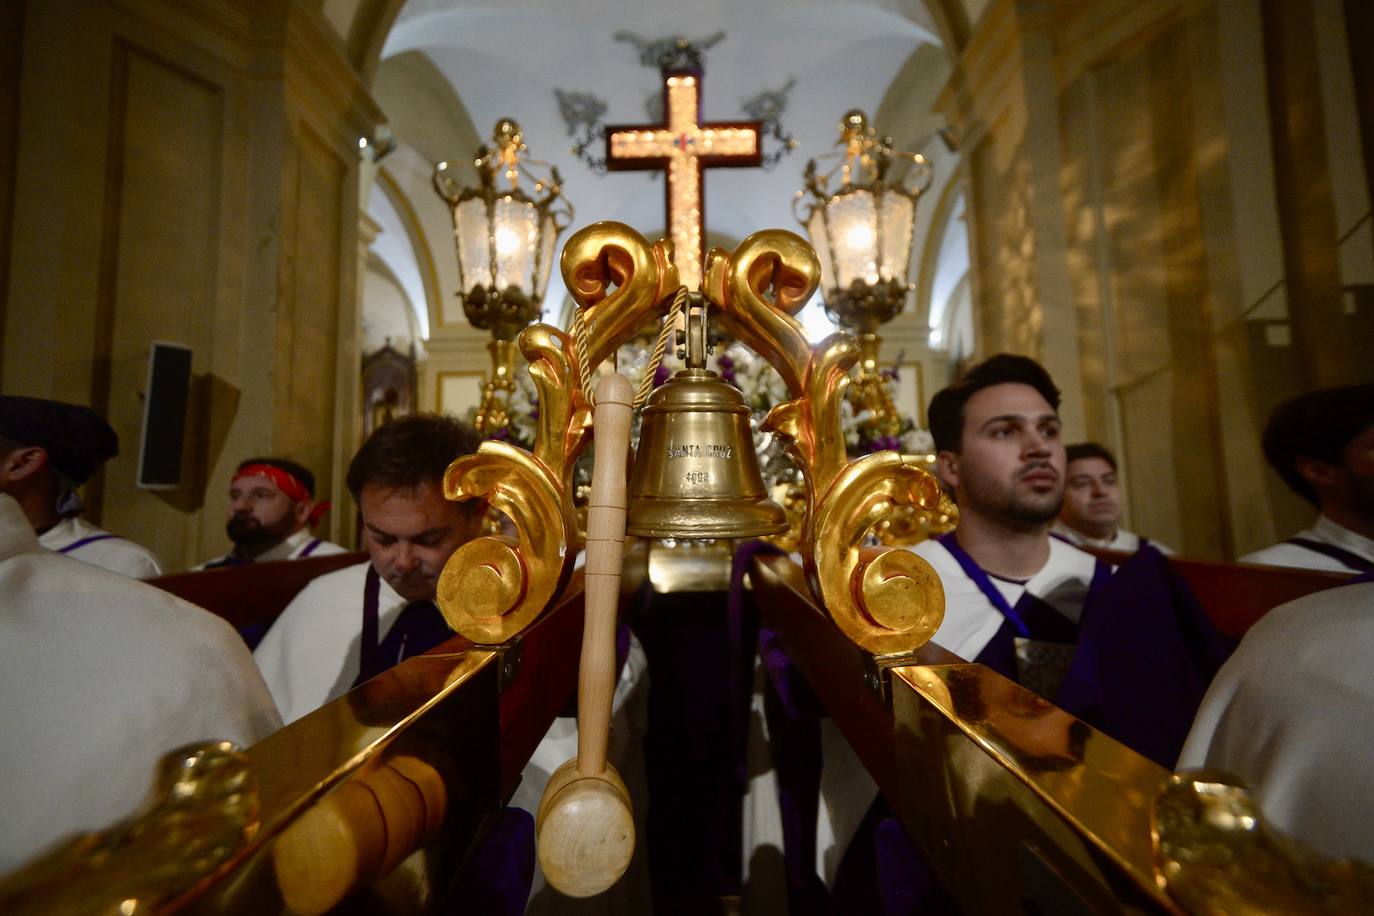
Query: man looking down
x,y
349,626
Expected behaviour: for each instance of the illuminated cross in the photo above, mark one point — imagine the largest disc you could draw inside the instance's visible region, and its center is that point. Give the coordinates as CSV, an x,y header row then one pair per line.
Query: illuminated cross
x,y
683,147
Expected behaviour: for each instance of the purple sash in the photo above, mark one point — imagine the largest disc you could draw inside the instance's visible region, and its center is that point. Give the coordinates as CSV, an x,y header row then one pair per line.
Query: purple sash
x,y
89,540
1339,554
309,548
419,628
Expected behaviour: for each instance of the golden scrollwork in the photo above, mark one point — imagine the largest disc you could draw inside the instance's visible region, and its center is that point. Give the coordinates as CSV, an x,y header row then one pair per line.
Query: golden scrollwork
x,y
493,587
202,812
885,599
1215,854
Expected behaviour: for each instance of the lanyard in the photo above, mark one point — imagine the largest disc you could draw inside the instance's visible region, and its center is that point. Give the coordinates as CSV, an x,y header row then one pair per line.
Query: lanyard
x,y
1349,559
980,579
309,549
88,540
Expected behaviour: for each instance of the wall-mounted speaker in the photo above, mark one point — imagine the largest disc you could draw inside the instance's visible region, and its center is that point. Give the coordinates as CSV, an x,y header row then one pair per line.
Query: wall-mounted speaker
x,y
164,416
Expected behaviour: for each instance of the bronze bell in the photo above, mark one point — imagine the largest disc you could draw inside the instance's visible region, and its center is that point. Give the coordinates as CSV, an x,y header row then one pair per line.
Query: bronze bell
x,y
696,474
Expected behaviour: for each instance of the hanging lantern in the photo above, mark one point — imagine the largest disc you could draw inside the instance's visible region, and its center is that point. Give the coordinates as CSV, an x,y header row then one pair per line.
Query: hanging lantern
x,y
504,237
862,230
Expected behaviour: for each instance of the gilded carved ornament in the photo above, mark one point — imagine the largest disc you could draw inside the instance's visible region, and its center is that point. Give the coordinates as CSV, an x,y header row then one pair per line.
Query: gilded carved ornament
x,y
493,587
886,600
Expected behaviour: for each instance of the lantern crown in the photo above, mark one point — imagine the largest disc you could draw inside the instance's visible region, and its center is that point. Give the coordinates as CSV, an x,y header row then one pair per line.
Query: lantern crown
x,y
861,223
504,234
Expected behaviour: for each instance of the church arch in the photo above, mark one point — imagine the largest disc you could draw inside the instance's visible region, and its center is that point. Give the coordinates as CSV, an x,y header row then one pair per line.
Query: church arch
x,y
420,248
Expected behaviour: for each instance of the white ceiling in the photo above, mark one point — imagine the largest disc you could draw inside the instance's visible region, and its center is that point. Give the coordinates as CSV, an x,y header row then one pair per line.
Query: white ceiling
x,y
506,61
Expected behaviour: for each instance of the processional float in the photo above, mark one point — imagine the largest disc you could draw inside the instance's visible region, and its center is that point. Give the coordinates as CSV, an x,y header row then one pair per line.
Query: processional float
x,y
383,796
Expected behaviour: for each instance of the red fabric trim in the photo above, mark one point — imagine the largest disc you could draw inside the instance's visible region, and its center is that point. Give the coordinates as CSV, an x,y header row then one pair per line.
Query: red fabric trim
x,y
285,481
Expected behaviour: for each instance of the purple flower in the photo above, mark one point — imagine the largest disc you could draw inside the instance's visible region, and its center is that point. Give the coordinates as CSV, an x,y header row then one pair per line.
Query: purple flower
x,y
728,375
661,375
534,413
501,435
725,363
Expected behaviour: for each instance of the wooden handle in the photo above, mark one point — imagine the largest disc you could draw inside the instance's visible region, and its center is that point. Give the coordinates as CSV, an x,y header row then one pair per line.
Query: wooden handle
x,y
585,821
605,549
361,831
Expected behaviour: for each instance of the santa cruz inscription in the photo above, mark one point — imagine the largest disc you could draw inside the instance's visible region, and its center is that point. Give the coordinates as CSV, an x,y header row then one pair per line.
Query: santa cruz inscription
x,y
698,475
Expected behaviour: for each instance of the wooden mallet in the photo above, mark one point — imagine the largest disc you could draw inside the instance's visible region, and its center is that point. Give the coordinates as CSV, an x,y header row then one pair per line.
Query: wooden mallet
x,y
586,832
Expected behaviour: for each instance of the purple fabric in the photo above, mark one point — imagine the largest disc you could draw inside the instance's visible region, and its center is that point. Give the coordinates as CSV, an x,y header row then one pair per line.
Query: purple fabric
x,y
310,548
252,634
499,878
1146,653
794,736
695,796
883,873
742,628
419,628
793,715
793,692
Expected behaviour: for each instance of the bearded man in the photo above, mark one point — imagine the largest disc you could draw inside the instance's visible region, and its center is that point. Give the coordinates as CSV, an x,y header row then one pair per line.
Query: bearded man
x,y
272,510
1013,595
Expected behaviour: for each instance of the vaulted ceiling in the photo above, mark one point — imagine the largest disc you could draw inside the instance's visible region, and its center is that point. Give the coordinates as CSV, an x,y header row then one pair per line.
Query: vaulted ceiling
x,y
507,60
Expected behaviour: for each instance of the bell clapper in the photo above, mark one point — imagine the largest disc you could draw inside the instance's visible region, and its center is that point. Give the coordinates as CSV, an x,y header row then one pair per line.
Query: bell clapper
x,y
585,824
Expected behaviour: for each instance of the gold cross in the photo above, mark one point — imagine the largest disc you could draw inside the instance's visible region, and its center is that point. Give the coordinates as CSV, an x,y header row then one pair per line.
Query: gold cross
x,y
683,147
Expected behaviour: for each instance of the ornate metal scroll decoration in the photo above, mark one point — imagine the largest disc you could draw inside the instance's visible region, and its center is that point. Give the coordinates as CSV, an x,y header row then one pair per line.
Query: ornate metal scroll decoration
x,y
676,52
203,811
767,107
493,587
886,600
583,115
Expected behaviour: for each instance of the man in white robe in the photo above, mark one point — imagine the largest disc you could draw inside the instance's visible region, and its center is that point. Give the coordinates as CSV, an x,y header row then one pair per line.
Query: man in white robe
x,y
272,511
348,626
1091,514
333,634
1322,445
47,450
1013,594
1292,713
101,676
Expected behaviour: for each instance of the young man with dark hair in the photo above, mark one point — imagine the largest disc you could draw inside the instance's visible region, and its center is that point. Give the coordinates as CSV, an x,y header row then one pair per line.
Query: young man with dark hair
x,y
1036,608
1322,445
272,512
1091,514
48,449
1013,594
349,626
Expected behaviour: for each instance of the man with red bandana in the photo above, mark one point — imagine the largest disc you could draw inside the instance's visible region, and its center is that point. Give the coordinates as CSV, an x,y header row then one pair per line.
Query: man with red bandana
x,y
272,512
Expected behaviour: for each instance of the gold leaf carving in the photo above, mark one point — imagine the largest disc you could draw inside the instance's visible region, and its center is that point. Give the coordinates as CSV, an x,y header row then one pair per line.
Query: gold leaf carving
x,y
887,600
493,587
